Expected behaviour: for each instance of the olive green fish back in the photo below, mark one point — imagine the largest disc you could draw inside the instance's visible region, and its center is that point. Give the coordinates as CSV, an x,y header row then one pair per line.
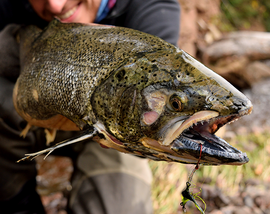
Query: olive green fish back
x,y
62,66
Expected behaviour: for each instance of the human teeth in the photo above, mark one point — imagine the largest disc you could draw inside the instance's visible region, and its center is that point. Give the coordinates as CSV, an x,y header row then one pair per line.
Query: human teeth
x,y
68,13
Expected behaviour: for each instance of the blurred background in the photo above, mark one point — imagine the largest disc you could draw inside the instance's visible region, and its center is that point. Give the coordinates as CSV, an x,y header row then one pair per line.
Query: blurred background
x,y
230,37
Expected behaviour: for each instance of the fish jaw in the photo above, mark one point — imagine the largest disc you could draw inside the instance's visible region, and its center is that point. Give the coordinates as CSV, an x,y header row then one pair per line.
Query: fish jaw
x,y
215,151
195,142
199,138
177,128
211,154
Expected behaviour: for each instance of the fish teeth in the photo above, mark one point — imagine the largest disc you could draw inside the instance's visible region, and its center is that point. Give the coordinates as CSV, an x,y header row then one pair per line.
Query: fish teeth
x,y
233,121
179,127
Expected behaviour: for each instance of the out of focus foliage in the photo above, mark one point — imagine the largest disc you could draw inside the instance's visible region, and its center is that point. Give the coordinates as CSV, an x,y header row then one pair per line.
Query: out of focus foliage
x,y
242,14
170,178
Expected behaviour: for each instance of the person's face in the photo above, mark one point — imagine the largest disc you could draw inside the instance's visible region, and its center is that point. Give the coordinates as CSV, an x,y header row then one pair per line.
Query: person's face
x,y
83,11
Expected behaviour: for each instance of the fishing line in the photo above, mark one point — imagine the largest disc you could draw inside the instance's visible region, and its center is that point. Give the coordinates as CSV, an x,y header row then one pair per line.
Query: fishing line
x,y
186,195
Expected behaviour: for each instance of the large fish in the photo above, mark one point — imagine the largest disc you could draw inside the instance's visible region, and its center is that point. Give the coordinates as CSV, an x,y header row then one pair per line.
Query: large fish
x,y
128,90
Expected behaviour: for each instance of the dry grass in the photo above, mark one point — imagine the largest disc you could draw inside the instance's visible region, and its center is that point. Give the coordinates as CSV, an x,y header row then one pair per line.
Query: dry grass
x,y
170,178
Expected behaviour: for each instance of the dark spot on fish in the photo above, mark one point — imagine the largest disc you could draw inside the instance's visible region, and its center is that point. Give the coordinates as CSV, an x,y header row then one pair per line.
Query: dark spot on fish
x,y
154,68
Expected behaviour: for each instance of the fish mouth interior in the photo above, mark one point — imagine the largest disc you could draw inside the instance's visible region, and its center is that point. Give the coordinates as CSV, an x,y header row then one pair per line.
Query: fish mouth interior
x,y
203,132
215,151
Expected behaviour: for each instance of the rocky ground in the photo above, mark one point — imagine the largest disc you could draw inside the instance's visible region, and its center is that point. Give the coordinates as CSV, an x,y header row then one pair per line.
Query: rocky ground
x,y
53,182
253,198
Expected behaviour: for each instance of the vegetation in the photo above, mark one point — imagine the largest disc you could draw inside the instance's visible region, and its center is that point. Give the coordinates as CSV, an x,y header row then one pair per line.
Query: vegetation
x,y
170,178
242,14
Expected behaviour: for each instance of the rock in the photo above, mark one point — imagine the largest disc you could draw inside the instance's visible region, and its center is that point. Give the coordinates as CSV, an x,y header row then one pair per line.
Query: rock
x,y
221,200
253,45
267,211
248,201
228,210
259,94
262,201
242,210
262,72
196,24
257,210
237,200
189,27
216,212
254,191
208,192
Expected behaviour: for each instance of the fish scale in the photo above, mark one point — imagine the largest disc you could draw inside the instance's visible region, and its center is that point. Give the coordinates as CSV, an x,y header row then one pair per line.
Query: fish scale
x,y
57,64
129,90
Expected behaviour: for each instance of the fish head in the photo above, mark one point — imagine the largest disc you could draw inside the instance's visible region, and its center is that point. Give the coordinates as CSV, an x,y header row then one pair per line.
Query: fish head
x,y
165,105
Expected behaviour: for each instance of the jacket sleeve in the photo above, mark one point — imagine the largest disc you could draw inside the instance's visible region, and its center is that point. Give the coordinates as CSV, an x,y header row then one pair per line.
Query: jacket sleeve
x,y
9,72
159,18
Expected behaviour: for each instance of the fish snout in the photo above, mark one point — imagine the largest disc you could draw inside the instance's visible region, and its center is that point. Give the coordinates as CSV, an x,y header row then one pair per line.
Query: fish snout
x,y
244,107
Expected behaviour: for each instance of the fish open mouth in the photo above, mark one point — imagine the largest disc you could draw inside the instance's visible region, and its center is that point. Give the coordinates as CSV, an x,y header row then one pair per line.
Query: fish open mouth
x,y
215,151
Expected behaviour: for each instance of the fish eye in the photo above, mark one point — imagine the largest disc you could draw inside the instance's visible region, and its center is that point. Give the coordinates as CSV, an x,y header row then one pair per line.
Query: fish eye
x,y
176,103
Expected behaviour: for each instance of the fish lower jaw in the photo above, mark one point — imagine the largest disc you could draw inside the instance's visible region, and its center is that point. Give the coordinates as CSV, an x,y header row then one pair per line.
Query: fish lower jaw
x,y
109,141
160,152
214,151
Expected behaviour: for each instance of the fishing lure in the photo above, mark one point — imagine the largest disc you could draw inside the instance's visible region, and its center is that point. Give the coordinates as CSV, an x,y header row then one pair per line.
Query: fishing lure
x,y
186,195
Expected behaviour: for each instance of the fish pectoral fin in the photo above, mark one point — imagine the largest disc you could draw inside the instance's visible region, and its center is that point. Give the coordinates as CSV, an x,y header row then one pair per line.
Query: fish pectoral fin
x,y
25,130
50,135
85,135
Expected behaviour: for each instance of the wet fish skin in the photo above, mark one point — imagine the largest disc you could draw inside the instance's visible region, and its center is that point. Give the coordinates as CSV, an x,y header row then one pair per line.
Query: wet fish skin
x,y
67,62
111,78
166,70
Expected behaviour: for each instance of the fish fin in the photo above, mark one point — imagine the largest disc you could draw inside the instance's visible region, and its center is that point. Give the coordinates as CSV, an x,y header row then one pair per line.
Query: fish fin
x,y
85,135
50,135
25,130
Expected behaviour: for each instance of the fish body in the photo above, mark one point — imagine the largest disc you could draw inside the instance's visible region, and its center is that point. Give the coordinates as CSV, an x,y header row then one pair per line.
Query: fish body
x,y
141,94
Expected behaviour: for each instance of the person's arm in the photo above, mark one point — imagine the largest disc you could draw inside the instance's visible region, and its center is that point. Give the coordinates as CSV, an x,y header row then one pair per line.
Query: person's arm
x,y
159,18
9,72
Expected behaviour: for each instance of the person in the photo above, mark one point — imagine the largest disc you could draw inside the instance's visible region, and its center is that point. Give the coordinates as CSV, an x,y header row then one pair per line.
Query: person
x,y
104,180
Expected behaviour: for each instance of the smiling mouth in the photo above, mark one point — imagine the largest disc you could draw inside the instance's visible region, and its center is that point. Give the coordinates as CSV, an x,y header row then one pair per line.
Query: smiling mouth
x,y
67,14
